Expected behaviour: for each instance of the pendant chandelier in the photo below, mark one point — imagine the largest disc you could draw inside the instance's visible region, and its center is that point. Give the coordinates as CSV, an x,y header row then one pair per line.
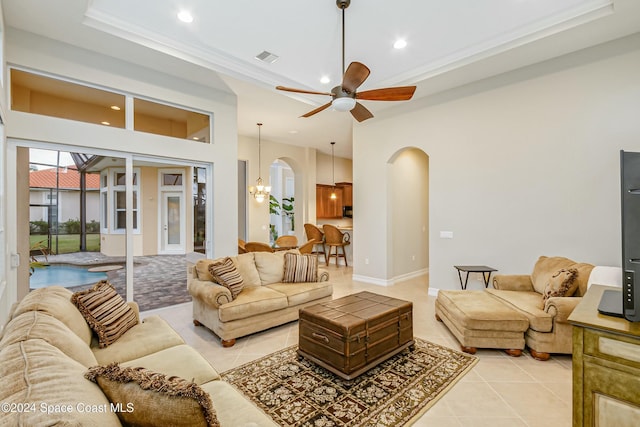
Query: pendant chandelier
x,y
333,195
259,191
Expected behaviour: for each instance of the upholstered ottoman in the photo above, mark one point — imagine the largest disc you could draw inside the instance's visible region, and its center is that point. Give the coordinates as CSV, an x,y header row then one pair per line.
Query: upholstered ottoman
x,y
479,320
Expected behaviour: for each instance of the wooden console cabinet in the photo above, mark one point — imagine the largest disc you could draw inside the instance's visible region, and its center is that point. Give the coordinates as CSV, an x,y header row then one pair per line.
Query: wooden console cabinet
x,y
606,366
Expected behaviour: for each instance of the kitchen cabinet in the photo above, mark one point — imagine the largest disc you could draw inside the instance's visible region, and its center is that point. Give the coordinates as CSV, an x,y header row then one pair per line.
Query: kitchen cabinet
x,y
347,193
606,366
326,207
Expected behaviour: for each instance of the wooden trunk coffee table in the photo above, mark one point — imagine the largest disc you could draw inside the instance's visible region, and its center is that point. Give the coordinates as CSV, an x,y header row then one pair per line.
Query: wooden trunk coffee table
x,y
351,335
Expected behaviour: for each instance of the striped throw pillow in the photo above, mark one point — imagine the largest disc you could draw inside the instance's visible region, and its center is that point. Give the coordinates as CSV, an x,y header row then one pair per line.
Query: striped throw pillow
x,y
105,311
226,274
300,268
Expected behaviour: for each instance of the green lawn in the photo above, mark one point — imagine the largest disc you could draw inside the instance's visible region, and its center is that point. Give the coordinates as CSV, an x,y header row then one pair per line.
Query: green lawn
x,y
67,243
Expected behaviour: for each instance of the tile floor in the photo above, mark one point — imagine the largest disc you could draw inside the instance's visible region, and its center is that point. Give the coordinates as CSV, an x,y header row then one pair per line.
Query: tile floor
x,y
499,391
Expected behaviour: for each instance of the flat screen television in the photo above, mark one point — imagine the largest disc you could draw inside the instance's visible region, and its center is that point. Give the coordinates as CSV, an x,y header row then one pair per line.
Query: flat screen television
x,y
627,303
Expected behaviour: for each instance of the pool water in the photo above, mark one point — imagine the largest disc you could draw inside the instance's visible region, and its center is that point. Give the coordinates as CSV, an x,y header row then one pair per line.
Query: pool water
x,y
63,275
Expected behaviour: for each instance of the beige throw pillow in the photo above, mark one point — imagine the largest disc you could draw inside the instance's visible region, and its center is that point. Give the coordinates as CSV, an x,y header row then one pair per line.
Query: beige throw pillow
x,y
300,268
226,274
105,311
562,283
148,398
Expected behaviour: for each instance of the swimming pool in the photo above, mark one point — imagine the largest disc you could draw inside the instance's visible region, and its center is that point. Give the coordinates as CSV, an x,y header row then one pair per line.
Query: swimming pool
x,y
63,275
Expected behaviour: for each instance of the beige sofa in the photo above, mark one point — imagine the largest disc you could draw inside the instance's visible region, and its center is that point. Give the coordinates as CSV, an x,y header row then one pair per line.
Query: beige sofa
x,y
47,347
264,302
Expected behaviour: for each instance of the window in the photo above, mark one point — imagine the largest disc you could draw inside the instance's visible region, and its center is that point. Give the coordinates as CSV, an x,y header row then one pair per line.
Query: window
x,y
37,94
161,119
49,96
113,200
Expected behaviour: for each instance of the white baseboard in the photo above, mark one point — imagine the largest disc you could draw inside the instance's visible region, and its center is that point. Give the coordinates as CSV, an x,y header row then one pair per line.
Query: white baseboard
x,y
390,282
433,292
372,280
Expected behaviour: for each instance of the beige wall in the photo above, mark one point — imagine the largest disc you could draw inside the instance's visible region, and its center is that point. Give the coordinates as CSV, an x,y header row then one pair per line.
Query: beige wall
x,y
343,169
303,163
408,213
22,212
521,165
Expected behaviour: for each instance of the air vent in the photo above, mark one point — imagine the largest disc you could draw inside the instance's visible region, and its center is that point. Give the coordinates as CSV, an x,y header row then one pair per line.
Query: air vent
x,y
267,57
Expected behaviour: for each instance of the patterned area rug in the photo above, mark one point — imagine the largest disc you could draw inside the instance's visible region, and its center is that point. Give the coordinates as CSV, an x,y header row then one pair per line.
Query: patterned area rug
x,y
397,392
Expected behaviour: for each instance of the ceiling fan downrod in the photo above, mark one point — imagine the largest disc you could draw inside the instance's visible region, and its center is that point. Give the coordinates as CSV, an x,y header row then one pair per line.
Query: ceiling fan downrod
x,y
343,4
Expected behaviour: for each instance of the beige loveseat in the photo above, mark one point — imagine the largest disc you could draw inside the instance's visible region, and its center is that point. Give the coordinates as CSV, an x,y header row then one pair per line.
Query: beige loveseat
x,y
47,347
263,303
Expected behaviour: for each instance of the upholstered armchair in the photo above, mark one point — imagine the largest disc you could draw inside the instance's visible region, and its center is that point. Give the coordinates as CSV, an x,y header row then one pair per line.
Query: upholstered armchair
x,y
546,297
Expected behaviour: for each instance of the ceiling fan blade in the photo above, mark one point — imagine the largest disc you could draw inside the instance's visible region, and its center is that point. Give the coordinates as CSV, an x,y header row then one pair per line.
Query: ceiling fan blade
x,y
317,110
290,89
360,112
400,93
355,75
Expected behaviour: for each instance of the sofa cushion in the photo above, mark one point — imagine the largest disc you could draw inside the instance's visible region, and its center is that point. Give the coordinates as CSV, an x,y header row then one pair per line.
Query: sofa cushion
x,y
152,335
37,373
154,399
181,361
562,284
528,303
225,273
300,293
270,266
244,263
233,409
252,301
39,325
202,269
546,267
300,268
105,311
56,301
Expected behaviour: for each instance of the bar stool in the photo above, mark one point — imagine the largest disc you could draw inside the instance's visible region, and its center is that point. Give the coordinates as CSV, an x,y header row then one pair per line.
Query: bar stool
x,y
314,233
334,238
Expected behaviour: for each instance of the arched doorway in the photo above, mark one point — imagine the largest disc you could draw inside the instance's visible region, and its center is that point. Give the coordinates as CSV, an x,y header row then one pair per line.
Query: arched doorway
x,y
408,210
281,200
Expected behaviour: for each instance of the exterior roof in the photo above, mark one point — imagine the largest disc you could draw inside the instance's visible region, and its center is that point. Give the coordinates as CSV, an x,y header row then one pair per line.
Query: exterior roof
x,y
69,179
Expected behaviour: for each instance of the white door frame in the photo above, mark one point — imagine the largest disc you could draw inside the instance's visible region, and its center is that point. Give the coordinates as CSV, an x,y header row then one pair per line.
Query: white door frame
x,y
165,191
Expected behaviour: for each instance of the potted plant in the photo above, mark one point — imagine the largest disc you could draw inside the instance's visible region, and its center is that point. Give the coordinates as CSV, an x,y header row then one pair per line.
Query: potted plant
x,y
287,208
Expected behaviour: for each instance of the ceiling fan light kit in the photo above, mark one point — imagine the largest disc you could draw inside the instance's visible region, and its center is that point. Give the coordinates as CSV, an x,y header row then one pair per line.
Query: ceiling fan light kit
x,y
343,97
343,104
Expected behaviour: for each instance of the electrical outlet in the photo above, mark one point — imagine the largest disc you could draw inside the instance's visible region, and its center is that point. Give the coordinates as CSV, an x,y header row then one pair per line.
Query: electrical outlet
x,y
366,261
413,257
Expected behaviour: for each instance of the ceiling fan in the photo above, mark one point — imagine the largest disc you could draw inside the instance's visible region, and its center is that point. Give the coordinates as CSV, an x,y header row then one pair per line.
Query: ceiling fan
x,y
344,96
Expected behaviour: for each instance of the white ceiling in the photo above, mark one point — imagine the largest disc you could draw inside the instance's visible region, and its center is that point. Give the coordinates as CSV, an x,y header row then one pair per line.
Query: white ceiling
x,y
450,43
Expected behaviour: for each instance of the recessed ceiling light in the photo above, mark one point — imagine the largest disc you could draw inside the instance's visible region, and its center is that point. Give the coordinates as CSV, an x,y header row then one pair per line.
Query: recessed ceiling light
x,y
106,123
115,108
325,79
400,44
185,16
293,132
